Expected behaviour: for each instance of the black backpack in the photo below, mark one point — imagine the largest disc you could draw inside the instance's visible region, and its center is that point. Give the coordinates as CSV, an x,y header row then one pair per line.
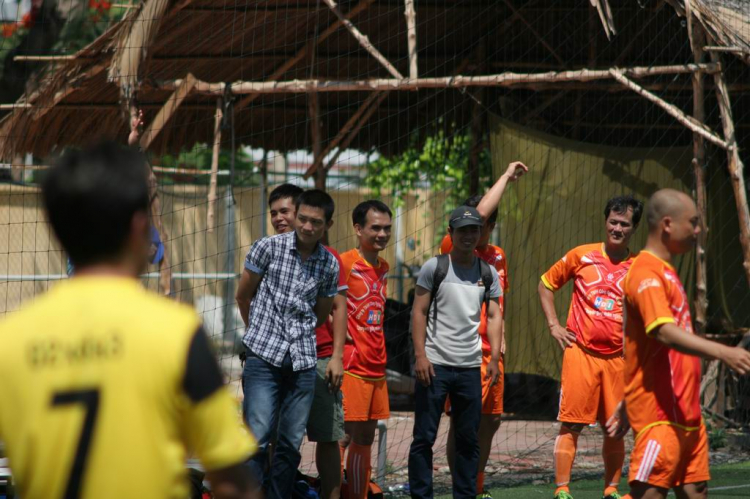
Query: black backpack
x,y
443,262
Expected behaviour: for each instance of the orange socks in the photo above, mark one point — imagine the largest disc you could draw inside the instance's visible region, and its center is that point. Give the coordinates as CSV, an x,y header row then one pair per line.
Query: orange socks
x,y
358,470
613,452
480,482
565,453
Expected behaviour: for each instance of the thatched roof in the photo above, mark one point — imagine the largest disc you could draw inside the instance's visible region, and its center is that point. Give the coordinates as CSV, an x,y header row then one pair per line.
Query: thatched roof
x,y
728,22
163,40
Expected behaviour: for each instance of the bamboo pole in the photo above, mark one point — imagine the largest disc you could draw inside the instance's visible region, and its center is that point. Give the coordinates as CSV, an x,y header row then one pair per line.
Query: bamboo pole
x,y
411,37
365,118
341,133
316,139
167,111
45,58
673,111
507,79
735,166
724,49
697,39
363,40
210,221
308,47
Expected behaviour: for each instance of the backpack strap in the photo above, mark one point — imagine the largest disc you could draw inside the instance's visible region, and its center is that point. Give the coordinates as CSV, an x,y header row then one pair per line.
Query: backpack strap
x,y
487,280
441,270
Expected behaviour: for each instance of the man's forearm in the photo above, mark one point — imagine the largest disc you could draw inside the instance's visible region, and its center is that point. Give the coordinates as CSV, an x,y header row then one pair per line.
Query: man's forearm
x,y
547,299
244,306
682,341
495,336
339,325
419,334
492,198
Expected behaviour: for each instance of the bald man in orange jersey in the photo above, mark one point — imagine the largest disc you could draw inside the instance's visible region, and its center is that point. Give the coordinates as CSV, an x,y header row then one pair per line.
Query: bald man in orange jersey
x,y
662,365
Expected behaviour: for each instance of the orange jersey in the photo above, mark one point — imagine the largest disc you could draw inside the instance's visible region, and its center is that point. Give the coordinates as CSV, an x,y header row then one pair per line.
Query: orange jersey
x,y
495,257
662,385
595,314
365,302
324,334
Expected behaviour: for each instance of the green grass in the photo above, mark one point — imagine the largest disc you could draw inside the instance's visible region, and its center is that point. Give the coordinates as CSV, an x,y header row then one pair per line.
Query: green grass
x,y
727,475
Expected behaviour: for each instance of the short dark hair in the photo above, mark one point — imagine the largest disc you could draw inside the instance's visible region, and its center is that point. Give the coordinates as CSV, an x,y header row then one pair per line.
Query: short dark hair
x,y
315,198
620,204
91,197
285,191
359,215
474,201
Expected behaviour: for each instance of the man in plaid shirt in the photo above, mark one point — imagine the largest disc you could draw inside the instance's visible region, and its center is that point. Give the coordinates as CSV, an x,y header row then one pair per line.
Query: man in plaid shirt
x,y
285,292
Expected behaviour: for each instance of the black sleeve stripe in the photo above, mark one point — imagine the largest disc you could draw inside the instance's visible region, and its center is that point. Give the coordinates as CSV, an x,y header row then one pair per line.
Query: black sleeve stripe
x,y
202,375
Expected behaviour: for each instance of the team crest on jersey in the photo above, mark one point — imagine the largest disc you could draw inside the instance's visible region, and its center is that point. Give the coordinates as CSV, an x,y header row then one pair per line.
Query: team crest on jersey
x,y
610,277
375,317
602,303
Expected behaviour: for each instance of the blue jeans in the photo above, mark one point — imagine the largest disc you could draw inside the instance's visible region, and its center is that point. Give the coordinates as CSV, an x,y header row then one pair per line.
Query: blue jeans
x,y
277,403
464,385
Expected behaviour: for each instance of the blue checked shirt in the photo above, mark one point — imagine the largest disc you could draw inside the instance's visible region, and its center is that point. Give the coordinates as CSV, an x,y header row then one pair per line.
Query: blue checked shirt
x,y
282,316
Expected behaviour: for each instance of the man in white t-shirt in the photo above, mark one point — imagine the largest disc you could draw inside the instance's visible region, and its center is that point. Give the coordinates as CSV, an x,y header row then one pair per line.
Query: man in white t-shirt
x,y
448,352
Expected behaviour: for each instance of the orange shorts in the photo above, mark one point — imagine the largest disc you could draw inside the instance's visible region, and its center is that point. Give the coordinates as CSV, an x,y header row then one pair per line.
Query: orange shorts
x,y
492,396
668,456
364,399
591,386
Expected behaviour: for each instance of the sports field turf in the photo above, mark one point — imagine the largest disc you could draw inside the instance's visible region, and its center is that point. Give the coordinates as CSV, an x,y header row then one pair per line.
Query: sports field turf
x,y
728,481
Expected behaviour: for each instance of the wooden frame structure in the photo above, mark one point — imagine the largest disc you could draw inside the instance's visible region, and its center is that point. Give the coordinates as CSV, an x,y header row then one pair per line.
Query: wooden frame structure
x,y
138,55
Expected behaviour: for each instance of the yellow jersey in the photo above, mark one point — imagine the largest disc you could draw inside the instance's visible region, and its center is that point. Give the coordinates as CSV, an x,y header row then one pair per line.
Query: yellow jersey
x,y
105,387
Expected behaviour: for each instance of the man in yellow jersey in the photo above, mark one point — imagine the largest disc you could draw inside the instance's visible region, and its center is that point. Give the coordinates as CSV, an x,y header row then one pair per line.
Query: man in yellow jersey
x,y
662,361
105,387
591,384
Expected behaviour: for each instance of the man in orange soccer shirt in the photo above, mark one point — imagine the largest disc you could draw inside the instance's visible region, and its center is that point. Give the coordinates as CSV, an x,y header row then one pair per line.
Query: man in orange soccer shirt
x,y
492,395
662,365
325,425
592,383
364,387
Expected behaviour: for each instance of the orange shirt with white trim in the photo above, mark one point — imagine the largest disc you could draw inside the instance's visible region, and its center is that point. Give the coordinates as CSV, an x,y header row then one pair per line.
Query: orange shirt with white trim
x,y
495,257
662,385
324,334
365,355
595,314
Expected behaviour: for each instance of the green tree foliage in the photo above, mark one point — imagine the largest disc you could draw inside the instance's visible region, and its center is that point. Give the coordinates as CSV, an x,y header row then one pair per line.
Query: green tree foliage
x,y
199,158
440,164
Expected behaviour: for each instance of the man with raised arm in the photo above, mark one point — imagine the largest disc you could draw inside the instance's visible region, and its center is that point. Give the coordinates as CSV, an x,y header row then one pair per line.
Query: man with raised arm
x,y
290,282
662,361
592,383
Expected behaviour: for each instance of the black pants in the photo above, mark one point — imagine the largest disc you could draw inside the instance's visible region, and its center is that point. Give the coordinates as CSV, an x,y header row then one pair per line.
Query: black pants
x,y
464,385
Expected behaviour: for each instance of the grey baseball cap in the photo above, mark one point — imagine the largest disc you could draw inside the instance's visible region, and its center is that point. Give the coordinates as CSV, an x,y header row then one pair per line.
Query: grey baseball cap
x,y
464,216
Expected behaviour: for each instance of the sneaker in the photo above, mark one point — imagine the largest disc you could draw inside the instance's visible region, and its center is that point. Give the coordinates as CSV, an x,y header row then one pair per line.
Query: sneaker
x,y
613,495
484,495
563,495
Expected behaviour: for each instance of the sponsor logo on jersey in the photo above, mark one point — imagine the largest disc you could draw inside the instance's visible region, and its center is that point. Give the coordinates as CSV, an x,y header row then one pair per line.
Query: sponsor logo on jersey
x,y
602,303
374,317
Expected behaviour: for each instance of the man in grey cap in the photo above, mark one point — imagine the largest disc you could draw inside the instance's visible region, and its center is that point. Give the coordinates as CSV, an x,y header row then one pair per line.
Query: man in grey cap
x,y
451,291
